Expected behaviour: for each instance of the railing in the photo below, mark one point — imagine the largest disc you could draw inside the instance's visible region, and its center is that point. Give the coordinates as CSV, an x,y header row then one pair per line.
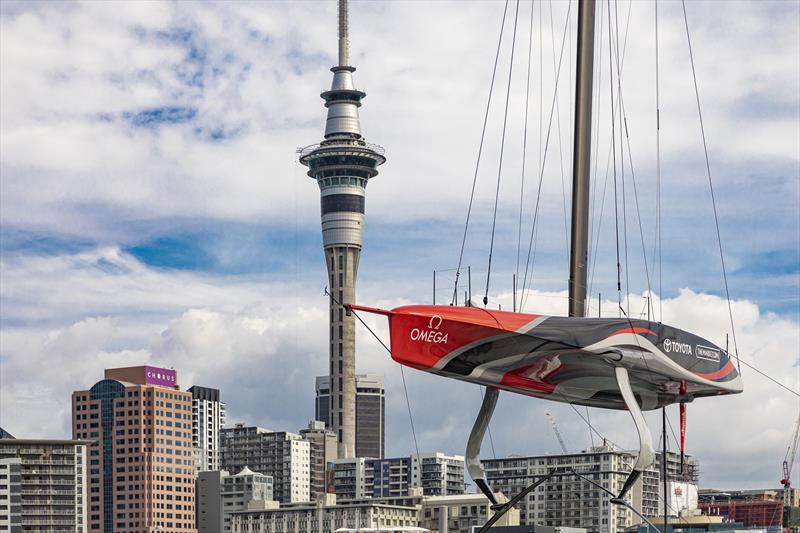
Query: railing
x,y
49,471
48,482
46,522
358,145
70,502
47,491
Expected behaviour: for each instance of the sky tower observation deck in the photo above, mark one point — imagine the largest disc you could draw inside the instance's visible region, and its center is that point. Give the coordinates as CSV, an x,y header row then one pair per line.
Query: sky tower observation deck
x,y
342,165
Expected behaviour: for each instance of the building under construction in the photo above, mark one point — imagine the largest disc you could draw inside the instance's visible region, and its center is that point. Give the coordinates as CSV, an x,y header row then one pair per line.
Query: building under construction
x,y
753,508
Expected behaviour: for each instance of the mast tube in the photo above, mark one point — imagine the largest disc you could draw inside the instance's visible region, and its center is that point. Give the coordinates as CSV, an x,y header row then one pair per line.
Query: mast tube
x,y
581,159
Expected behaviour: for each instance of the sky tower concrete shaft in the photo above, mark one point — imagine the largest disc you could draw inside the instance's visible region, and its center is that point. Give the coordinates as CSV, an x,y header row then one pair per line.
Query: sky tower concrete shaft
x,y
342,165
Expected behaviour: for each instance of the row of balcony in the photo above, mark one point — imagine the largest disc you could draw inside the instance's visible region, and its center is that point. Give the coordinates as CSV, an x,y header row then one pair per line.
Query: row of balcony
x,y
44,470
47,511
49,501
48,481
48,462
43,492
46,522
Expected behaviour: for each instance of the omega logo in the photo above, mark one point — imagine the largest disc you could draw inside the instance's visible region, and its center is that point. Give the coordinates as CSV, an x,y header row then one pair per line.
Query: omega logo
x,y
432,334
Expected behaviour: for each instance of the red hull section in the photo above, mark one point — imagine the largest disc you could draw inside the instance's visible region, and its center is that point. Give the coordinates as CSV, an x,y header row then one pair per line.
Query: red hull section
x,y
421,339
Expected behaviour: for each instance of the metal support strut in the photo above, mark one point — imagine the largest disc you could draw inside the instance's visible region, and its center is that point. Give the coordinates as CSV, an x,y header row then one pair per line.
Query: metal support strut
x,y
647,454
474,467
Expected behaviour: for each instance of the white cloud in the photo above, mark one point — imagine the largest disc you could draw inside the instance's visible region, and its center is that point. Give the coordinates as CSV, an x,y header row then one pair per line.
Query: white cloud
x,y
262,341
261,68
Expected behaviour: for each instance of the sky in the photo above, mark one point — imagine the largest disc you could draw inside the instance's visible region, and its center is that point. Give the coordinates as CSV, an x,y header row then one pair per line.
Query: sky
x,y
152,209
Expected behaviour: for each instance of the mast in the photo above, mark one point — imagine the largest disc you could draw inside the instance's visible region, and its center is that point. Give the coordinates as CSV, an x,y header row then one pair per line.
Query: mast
x,y
581,159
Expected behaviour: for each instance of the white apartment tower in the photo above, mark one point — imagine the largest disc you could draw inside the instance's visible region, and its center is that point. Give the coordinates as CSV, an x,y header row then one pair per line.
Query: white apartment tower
x,y
208,419
438,474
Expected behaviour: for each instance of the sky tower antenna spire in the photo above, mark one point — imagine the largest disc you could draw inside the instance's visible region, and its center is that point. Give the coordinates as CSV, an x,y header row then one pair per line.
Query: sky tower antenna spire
x,y
344,37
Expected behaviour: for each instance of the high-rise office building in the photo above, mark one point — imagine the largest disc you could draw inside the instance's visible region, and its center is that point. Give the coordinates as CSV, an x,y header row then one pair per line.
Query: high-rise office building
x,y
322,446
141,470
370,412
43,485
342,165
283,455
208,418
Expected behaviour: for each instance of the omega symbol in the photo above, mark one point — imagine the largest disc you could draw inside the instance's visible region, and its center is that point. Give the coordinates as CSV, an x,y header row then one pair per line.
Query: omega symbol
x,y
435,322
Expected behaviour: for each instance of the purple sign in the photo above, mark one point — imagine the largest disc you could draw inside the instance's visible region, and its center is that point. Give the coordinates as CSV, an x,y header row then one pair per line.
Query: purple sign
x,y
160,376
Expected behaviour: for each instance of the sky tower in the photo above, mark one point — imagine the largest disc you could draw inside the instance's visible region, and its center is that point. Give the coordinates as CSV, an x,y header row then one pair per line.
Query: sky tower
x,y
342,165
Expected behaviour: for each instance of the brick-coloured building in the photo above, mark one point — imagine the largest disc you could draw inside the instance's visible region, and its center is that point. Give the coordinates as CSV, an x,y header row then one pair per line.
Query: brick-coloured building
x,y
140,466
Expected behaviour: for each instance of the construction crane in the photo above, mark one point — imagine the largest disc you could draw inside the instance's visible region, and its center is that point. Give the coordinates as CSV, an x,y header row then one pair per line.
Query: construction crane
x,y
788,463
552,421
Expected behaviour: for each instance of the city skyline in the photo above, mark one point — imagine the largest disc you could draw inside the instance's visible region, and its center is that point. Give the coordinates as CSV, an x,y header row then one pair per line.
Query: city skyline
x,y
166,221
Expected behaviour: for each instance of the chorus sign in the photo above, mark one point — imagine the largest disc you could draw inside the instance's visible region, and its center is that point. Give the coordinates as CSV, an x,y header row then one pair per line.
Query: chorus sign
x,y
164,377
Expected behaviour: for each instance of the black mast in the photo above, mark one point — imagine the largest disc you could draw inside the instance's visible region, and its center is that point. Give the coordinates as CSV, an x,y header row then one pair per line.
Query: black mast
x,y
581,159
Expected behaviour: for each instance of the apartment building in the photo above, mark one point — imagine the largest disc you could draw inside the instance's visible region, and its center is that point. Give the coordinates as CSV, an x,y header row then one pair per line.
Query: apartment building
x,y
284,456
208,418
570,501
323,450
437,474
43,485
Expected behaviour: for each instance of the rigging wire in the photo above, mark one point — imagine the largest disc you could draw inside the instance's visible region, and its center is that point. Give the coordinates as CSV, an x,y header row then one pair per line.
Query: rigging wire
x,y
558,126
614,157
710,183
636,198
596,137
764,374
480,151
587,422
544,160
597,233
622,161
524,146
502,151
402,374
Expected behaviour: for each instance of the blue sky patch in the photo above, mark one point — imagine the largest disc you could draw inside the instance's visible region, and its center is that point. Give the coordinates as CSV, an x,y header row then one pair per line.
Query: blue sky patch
x,y
162,115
